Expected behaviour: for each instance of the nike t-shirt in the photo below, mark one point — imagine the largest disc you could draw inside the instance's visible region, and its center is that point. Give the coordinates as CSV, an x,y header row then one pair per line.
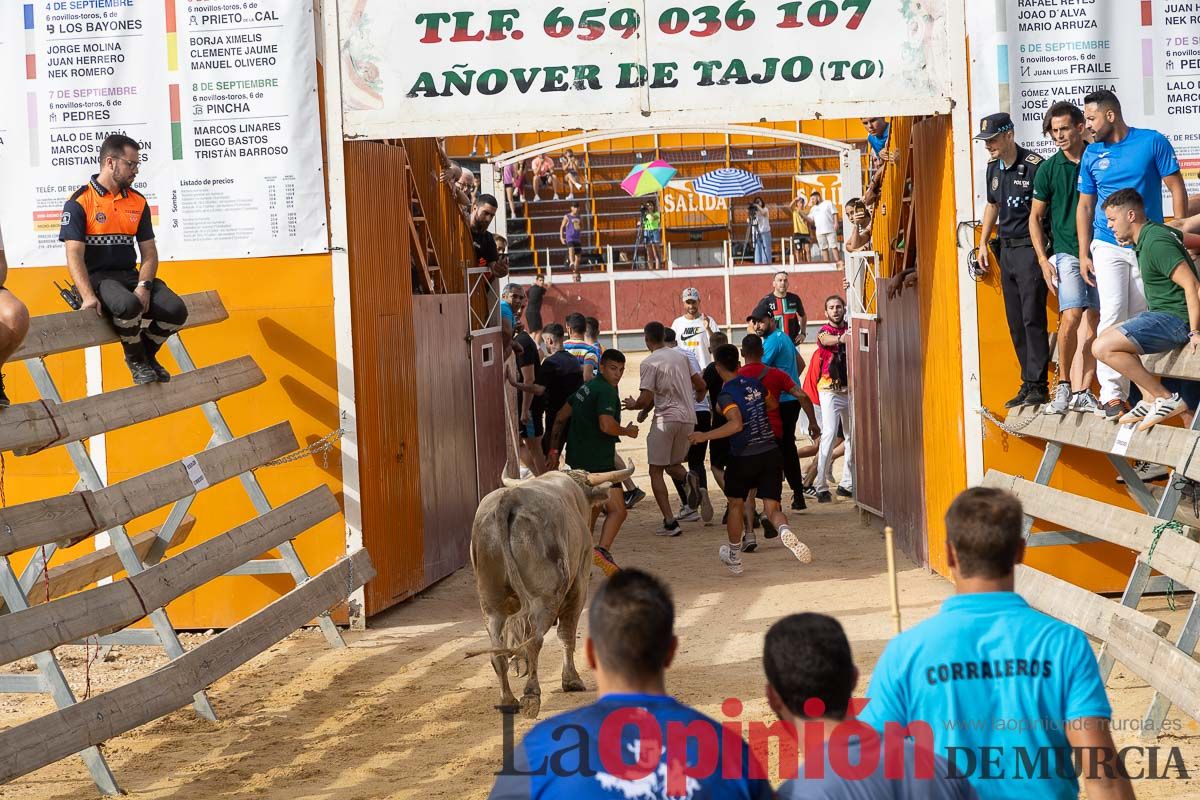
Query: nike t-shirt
x,y
693,337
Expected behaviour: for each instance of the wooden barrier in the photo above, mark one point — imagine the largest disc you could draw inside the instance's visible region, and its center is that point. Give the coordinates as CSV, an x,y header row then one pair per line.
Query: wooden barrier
x,y
1089,612
1160,663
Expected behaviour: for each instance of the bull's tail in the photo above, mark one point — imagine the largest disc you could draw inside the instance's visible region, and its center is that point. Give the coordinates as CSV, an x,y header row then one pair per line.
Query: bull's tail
x,y
518,630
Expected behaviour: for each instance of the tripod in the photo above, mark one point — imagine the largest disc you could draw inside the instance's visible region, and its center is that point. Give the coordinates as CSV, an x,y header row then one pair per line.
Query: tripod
x,y
751,240
639,241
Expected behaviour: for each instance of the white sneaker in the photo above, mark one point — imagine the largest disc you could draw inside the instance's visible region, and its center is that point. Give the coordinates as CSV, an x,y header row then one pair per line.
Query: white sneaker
x,y
731,560
1164,409
1086,402
799,549
1146,471
669,530
1136,414
706,509
686,514
1061,400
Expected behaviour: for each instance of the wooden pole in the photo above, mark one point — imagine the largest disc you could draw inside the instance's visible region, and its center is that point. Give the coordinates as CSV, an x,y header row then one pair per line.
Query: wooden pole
x,y
892,584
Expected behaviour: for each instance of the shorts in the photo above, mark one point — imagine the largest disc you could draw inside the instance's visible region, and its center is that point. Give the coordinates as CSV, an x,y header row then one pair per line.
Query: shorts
x,y
718,452
801,239
1155,332
654,236
762,472
1073,290
535,429
827,241
667,444
533,320
574,244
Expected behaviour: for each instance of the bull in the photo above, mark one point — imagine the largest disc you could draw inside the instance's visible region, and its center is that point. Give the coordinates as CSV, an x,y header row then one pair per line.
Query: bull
x,y
531,546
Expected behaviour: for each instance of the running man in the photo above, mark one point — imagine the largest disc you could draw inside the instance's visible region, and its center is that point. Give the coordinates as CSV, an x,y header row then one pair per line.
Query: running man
x,y
696,453
594,412
693,330
754,463
570,233
780,352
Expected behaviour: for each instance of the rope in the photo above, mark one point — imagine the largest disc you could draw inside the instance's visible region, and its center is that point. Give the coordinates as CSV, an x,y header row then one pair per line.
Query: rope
x,y
1177,527
320,447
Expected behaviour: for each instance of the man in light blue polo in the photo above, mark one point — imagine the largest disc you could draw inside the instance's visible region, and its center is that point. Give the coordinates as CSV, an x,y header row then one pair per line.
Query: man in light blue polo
x,y
1008,691
780,352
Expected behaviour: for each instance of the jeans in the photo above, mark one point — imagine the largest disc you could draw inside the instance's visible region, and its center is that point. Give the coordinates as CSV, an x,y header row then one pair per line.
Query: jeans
x,y
1119,282
835,407
762,247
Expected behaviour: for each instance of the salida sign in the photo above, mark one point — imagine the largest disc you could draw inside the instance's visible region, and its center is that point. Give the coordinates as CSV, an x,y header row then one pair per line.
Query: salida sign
x,y
683,207
446,70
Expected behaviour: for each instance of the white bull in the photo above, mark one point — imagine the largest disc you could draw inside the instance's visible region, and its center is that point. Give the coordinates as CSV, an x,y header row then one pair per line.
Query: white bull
x,y
531,547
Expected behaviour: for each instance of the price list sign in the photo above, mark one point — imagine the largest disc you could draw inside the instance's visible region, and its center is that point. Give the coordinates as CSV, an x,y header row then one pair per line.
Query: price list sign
x,y
220,95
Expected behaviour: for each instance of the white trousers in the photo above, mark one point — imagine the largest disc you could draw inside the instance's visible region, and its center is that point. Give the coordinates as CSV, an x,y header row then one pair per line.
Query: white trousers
x,y
1119,283
835,406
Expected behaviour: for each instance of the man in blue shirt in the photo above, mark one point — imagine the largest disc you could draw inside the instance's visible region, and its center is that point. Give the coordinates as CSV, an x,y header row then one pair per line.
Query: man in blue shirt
x,y
810,677
781,353
595,752
1120,157
1008,691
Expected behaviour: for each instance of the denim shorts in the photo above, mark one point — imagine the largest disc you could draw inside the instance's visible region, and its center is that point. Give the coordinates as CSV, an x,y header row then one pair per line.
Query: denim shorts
x,y
1073,290
1155,331
654,236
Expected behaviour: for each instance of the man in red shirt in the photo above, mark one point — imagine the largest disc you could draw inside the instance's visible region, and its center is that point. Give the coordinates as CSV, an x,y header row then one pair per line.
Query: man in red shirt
x,y
777,383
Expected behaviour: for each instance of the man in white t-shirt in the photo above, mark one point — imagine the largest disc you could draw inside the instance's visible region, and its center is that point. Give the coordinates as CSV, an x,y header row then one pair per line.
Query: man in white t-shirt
x,y
693,328
14,322
825,221
669,387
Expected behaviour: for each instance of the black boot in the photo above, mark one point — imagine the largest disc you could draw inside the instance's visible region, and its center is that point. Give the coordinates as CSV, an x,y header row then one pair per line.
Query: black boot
x,y
1019,400
160,372
139,367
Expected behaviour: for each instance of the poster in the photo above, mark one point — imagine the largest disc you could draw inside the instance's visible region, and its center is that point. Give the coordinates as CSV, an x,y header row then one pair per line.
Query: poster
x,y
1029,54
424,68
221,95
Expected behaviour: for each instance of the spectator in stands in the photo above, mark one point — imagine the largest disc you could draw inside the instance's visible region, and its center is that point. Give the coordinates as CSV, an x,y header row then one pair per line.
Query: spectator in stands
x,y
825,223
487,254
570,171
810,679
763,245
543,175
535,295
834,389
487,145
1172,297
651,224
788,311
630,644
1120,157
14,322
570,233
860,226
1055,197
513,176
101,223
802,226
989,658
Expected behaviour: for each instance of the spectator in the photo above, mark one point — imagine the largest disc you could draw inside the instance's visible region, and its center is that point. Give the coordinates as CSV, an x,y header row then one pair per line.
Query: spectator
x,y
595,414
1119,157
487,254
879,134
651,223
487,145
535,295
755,463
630,644
591,335
570,233
988,657
833,387
810,678
1010,177
802,226
14,322
693,328
668,386
825,223
763,245
788,310
1055,197
860,230
577,345
1173,298
543,175
100,224
556,379
513,176
512,302
570,170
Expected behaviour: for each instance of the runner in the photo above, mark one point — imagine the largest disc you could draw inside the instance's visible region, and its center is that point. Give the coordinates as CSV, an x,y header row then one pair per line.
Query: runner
x,y
594,412
696,453
780,352
755,462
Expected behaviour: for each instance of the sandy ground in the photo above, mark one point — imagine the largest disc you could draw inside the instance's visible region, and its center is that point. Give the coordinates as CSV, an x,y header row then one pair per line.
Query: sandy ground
x,y
402,714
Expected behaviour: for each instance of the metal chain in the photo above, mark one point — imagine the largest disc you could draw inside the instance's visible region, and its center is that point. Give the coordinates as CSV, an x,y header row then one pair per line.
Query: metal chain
x,y
320,447
1169,525
1014,429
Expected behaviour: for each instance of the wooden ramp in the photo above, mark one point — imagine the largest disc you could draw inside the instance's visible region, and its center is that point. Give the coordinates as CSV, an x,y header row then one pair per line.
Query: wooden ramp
x,y
64,610
1162,536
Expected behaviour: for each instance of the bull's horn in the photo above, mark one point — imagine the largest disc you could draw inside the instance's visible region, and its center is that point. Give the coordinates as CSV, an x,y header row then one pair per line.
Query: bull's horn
x,y
616,476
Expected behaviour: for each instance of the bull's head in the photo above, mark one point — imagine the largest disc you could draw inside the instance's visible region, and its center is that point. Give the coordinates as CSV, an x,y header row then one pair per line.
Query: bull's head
x,y
595,485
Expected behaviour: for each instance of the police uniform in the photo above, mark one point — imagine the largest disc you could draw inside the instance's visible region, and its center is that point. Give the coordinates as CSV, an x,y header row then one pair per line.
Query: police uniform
x,y
1010,189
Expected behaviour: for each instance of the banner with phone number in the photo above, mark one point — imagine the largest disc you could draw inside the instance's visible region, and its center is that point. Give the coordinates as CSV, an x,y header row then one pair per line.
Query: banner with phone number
x,y
436,69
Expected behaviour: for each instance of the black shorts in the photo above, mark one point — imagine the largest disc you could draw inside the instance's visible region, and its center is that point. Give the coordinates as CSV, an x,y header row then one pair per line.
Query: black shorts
x,y
762,472
718,450
535,421
533,320
801,238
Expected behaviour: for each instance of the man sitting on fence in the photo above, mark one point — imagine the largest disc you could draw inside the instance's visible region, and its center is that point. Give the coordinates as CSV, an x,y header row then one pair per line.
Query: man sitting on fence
x,y
14,322
101,224
1012,695
1173,299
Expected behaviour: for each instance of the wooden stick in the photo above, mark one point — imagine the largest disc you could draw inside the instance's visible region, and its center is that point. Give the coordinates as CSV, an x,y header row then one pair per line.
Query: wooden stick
x,y
893,584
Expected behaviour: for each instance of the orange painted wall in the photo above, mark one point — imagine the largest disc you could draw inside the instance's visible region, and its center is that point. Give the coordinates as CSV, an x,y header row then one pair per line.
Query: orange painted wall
x,y
281,314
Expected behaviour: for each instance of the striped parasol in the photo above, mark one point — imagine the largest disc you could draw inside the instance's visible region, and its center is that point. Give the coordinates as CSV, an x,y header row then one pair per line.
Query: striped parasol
x,y
727,182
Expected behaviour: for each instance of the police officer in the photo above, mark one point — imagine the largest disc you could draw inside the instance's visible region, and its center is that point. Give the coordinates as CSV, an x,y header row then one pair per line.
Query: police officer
x,y
1010,195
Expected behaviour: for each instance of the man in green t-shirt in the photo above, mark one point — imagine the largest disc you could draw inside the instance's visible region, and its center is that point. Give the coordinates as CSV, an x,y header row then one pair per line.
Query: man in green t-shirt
x,y
1055,198
1173,299
594,412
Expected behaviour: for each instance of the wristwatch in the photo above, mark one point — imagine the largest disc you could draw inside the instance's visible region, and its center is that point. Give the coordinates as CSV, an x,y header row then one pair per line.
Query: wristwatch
x,y
144,284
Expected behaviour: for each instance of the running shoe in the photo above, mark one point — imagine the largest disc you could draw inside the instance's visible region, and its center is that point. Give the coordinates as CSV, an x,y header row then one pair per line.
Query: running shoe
x,y
799,549
824,497
1147,471
604,560
841,492
633,497
749,542
1136,414
1165,408
769,529
1061,402
686,514
731,559
1086,402
669,529
706,509
1113,409
692,482
810,491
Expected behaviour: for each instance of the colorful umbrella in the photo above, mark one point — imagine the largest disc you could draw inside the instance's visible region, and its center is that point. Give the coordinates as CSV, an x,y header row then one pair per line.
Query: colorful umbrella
x,y
648,178
727,182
